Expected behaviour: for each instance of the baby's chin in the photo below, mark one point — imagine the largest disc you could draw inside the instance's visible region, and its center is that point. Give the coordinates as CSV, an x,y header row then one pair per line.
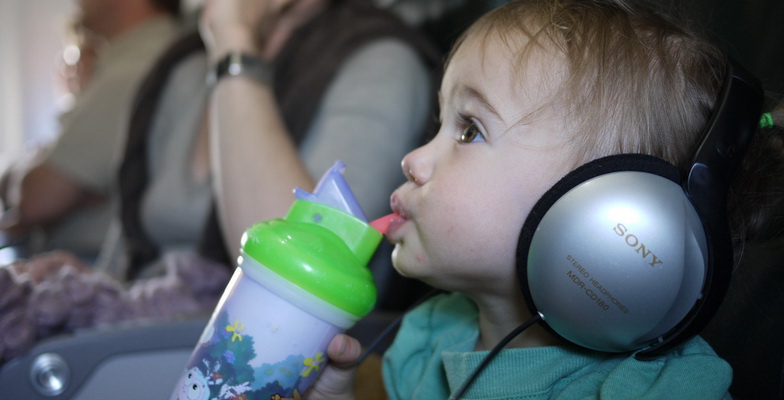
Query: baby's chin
x,y
406,263
419,266
397,263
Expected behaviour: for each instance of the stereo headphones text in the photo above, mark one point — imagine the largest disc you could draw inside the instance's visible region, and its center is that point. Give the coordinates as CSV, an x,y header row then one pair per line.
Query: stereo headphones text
x,y
625,253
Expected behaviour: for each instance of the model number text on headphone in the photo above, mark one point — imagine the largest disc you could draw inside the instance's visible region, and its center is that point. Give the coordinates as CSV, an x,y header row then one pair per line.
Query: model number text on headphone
x,y
635,243
577,276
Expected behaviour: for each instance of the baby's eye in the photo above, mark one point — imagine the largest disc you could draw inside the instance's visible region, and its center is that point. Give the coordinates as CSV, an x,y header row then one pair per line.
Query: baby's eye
x,y
471,132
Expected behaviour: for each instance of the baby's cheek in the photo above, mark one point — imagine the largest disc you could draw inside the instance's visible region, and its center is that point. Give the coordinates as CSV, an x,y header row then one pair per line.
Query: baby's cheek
x,y
452,226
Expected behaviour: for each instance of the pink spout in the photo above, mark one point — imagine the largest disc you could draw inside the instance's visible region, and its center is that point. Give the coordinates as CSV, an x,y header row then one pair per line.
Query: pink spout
x,y
382,224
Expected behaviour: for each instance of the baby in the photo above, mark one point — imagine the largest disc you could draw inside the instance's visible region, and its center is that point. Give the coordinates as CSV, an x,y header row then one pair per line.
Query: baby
x,y
532,92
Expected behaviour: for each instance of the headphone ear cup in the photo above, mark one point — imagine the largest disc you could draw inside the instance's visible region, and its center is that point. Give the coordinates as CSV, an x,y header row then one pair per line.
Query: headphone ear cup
x,y
614,255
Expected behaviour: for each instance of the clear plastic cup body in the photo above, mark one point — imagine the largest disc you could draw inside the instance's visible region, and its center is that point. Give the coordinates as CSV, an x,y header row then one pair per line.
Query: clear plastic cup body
x,y
257,343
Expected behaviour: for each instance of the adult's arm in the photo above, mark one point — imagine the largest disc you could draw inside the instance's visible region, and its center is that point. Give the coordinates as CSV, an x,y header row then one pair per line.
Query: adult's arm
x,y
373,113
254,162
35,193
47,195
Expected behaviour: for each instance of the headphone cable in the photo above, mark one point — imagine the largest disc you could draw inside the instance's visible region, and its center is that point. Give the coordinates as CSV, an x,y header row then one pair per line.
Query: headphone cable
x,y
490,356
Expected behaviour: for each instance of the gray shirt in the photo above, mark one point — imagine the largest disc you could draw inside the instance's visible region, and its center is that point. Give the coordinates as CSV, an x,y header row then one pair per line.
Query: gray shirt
x,y
372,113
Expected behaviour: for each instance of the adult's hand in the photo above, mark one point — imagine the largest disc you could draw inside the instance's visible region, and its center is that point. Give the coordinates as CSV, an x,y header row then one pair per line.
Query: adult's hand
x,y
239,25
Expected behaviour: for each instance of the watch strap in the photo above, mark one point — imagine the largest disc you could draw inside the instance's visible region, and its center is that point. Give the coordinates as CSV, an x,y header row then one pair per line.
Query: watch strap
x,y
241,64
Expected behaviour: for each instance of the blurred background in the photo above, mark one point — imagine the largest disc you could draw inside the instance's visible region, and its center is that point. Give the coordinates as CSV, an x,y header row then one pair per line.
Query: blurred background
x,y
34,36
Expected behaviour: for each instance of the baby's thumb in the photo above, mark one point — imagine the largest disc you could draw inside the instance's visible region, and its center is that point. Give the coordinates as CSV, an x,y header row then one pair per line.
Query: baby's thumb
x,y
337,380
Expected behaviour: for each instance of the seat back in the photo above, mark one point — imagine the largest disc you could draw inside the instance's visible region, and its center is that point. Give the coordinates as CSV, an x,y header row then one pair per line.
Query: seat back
x,y
135,361
748,328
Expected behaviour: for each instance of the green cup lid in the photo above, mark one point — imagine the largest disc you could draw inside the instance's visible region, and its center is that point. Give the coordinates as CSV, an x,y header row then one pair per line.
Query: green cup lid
x,y
322,250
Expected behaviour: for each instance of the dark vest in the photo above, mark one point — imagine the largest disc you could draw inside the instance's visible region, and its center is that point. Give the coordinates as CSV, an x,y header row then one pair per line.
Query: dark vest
x,y
303,71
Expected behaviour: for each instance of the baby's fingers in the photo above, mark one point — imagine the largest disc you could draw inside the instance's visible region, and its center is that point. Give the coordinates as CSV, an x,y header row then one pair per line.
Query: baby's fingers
x,y
337,380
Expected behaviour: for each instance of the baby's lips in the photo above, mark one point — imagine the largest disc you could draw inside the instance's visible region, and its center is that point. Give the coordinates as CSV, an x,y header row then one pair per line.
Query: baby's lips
x,y
382,224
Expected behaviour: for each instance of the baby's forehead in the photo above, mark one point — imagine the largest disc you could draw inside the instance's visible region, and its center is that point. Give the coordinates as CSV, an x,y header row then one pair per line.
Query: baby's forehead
x,y
519,49
529,65
491,68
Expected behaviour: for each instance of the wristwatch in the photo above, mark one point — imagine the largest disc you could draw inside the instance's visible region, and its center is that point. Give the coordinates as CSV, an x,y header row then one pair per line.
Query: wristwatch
x,y
241,64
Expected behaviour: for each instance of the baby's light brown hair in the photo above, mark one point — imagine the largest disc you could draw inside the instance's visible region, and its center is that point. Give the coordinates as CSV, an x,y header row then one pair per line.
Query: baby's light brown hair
x,y
636,82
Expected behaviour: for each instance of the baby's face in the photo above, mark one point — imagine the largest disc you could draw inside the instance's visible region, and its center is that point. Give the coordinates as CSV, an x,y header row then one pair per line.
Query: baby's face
x,y
470,189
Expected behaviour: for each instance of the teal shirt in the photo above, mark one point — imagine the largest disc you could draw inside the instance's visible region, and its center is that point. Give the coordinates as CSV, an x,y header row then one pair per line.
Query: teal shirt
x,y
433,355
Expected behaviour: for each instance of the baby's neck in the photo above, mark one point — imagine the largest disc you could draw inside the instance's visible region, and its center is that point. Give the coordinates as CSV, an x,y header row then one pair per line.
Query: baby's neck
x,y
498,318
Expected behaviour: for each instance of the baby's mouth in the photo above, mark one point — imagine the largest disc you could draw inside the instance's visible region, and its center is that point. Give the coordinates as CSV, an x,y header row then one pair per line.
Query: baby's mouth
x,y
398,217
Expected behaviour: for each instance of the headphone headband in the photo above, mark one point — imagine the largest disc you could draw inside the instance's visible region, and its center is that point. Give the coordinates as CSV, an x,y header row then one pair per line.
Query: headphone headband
x,y
726,138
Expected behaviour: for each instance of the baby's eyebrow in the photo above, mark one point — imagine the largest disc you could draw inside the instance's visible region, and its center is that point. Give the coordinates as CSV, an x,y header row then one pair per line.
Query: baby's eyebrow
x,y
470,93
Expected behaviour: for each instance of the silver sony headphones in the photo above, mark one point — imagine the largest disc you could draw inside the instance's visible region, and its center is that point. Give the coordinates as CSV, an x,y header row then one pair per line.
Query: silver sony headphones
x,y
626,253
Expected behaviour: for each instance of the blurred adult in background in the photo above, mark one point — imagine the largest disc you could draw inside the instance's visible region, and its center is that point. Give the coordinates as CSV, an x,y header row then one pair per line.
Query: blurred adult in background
x,y
329,80
347,82
59,195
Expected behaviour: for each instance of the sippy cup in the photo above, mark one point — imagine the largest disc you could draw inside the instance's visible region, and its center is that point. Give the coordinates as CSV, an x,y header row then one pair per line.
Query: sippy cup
x,y
301,280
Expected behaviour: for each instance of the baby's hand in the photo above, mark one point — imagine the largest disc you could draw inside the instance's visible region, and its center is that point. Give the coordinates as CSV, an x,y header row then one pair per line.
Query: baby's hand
x,y
337,380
